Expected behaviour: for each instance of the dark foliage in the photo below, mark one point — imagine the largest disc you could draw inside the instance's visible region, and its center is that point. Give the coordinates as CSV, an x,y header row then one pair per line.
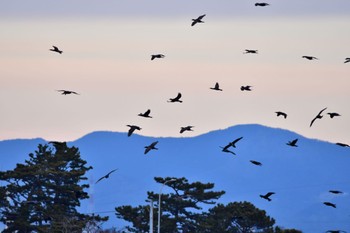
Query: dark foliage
x,y
42,194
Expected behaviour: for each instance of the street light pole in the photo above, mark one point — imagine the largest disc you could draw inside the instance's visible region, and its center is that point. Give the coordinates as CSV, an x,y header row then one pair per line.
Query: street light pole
x,y
159,201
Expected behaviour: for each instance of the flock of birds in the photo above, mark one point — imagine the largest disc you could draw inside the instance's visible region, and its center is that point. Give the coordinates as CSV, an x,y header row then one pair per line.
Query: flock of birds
x,y
232,144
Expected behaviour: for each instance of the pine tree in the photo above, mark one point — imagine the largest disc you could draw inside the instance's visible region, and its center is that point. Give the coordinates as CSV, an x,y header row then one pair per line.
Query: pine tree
x,y
180,209
42,194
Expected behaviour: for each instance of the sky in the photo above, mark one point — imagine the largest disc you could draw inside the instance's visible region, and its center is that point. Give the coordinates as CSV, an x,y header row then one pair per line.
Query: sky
x,y
107,46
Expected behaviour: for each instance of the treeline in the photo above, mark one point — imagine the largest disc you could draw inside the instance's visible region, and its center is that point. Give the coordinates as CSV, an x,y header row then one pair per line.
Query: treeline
x,y
43,193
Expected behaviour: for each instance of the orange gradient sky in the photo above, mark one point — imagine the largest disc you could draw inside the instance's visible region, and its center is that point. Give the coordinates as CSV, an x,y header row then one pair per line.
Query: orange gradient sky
x,y
106,58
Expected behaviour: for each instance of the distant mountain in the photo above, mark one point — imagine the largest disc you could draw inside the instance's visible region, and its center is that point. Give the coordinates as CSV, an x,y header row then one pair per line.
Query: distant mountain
x,y
300,176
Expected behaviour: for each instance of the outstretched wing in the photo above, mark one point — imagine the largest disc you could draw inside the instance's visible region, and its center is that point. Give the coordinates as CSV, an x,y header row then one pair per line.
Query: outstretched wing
x,y
201,17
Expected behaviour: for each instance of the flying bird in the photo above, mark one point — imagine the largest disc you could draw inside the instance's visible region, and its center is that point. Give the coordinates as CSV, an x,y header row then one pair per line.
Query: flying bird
x,y
251,51
342,144
347,60
293,143
157,56
335,191
216,87
65,92
281,114
152,146
55,49
330,204
333,114
261,4
106,176
335,231
310,58
187,128
132,129
267,196
176,99
255,162
319,116
246,88
198,20
146,114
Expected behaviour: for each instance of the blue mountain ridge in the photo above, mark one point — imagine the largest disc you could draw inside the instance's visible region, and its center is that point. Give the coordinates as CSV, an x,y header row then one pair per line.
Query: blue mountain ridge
x,y
300,176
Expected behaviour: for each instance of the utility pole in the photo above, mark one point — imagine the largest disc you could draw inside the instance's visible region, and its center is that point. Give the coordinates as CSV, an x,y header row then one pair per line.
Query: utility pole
x,y
151,217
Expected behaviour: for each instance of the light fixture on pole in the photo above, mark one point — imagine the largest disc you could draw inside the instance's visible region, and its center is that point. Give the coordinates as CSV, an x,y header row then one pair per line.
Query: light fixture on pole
x,y
159,201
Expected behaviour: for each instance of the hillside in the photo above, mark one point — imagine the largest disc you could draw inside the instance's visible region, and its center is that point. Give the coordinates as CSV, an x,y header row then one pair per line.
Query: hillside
x,y
301,176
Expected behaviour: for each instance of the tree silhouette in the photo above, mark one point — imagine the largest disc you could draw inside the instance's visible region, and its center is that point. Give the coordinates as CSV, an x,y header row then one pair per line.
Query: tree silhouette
x,y
185,209
180,208
42,194
237,217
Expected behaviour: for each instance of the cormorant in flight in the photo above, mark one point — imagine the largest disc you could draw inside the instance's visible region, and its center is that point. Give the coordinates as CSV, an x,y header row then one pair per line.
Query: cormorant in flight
x,y
335,191
246,88
333,114
198,20
187,128
342,144
106,176
319,116
251,51
267,196
55,49
255,162
66,92
157,56
310,58
281,114
176,99
330,204
293,143
146,114
261,4
132,129
152,146
216,87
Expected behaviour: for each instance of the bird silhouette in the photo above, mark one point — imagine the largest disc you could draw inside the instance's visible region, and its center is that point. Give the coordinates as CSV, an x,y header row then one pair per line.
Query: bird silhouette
x,y
293,143
146,114
261,4
55,49
132,129
157,56
310,58
281,114
216,87
255,162
198,20
335,191
347,60
186,128
66,92
319,116
246,88
152,146
333,114
106,176
330,204
176,99
342,144
267,196
251,51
